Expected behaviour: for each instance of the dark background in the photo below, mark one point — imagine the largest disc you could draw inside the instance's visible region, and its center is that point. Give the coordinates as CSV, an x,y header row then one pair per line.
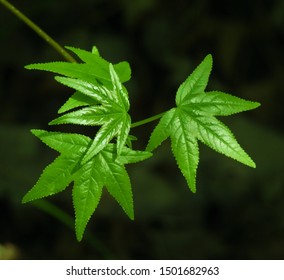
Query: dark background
x,y
237,212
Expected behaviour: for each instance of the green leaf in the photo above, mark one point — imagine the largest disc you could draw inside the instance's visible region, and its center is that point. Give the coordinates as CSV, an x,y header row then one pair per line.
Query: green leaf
x,y
54,179
58,175
118,126
90,57
185,147
119,90
129,140
95,50
162,131
78,99
94,68
105,169
100,94
65,143
122,68
194,119
218,137
122,134
176,124
128,155
196,82
106,104
217,103
85,72
87,193
117,182
111,115
123,71
100,99
92,115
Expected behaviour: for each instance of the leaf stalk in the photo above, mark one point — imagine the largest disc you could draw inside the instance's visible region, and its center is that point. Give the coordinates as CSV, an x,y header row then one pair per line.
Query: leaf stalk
x,y
151,119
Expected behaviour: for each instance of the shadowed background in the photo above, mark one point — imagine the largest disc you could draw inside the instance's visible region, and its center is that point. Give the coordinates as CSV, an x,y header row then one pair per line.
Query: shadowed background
x,y
237,212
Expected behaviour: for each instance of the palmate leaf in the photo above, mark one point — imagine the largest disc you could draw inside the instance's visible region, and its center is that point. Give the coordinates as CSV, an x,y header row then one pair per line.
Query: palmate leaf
x,y
89,178
111,115
99,89
94,68
100,99
194,119
122,68
120,123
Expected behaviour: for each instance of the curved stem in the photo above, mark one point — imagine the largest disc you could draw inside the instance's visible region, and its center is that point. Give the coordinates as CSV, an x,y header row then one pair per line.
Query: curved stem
x,y
38,30
139,123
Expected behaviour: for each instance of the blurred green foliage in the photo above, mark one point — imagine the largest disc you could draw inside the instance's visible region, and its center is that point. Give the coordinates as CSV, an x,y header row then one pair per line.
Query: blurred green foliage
x,y
237,213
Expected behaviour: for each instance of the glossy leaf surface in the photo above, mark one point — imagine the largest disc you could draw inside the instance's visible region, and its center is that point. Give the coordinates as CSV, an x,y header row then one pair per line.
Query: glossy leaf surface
x,y
89,178
100,99
194,119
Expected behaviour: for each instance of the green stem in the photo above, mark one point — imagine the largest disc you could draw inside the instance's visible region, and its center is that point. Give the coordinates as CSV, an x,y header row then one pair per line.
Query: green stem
x,y
38,30
139,123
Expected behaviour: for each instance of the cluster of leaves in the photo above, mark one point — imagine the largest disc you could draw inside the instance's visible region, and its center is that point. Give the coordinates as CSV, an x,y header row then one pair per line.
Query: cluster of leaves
x,y
100,99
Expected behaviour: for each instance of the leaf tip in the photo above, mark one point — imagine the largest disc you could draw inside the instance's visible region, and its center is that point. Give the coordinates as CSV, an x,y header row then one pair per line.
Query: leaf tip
x,y
252,164
29,67
95,51
37,132
208,60
34,131
192,185
27,198
246,160
53,122
256,104
209,57
79,235
130,213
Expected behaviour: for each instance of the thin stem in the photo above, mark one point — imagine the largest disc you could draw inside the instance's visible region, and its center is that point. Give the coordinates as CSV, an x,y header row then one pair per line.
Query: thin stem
x,y
38,30
139,123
